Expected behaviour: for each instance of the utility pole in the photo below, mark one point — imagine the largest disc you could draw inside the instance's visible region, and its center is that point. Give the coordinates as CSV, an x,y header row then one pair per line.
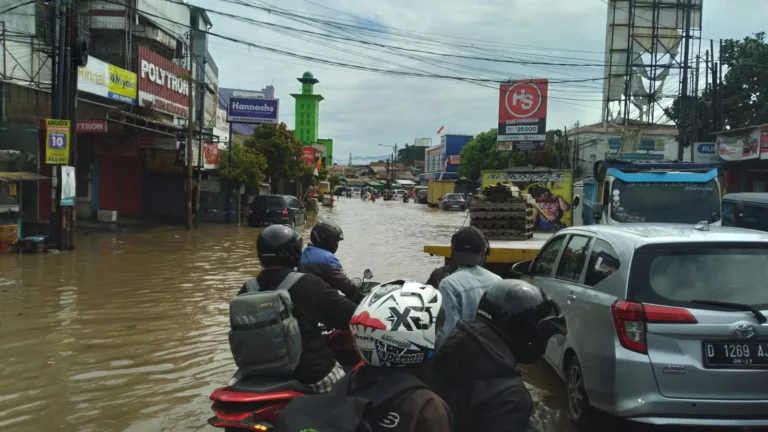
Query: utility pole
x,y
684,124
720,113
190,133
696,108
200,119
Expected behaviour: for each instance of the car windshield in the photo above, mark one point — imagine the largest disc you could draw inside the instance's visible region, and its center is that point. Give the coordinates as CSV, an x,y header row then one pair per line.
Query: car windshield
x,y
268,203
454,197
675,274
688,203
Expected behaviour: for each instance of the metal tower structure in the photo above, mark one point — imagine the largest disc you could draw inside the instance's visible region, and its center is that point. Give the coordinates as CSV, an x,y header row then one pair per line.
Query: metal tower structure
x,y
650,47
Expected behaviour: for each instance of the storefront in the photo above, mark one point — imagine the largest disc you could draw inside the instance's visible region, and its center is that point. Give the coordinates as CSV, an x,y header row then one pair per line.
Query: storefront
x,y
744,155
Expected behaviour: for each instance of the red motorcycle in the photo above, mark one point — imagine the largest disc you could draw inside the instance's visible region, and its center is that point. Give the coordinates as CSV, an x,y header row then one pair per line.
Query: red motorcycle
x,y
254,403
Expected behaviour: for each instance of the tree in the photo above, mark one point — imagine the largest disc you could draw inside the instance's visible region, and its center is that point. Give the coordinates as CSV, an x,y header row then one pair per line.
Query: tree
x,y
745,87
247,167
481,154
409,154
308,178
281,150
334,181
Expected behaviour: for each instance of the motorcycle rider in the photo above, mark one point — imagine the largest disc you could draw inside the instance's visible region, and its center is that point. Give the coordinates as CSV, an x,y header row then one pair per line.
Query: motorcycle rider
x,y
319,259
393,352
475,368
463,288
314,301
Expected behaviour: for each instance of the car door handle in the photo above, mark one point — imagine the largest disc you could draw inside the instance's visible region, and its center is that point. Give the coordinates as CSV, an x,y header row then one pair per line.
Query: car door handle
x,y
570,298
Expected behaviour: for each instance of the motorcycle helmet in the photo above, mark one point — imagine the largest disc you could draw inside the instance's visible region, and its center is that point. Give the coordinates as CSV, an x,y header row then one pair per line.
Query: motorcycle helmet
x,y
326,235
523,315
279,246
395,325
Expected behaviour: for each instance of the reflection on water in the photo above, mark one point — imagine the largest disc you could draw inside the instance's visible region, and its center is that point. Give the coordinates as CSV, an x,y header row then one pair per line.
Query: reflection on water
x,y
128,333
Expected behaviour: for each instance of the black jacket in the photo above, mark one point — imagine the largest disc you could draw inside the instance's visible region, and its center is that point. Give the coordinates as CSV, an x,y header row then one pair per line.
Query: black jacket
x,y
416,410
475,372
313,302
325,265
441,273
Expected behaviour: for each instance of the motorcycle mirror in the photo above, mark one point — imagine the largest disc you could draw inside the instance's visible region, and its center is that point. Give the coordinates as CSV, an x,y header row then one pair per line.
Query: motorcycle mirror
x,y
368,274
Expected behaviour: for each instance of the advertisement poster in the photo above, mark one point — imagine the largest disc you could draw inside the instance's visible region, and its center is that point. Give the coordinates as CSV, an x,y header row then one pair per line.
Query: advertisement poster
x,y
210,156
103,79
162,161
523,115
161,83
309,154
764,143
705,152
552,191
739,147
56,142
246,110
68,187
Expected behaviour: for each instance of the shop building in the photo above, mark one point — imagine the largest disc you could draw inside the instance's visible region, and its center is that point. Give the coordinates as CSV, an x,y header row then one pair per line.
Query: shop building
x,y
442,161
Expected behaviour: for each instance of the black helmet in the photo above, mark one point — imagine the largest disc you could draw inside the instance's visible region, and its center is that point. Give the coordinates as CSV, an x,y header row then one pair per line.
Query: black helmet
x,y
327,235
279,246
523,315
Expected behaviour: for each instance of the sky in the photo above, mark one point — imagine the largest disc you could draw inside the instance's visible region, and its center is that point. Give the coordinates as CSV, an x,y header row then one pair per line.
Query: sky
x,y
364,111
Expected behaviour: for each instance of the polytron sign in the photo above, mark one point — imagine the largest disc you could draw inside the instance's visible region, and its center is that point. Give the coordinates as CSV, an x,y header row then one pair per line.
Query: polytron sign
x,y
523,115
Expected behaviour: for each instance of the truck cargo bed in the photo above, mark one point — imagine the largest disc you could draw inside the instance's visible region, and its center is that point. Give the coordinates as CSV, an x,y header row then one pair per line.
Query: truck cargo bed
x,y
502,251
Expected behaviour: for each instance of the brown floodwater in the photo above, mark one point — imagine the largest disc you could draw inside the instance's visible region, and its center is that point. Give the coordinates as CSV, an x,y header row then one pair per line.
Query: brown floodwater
x,y
129,332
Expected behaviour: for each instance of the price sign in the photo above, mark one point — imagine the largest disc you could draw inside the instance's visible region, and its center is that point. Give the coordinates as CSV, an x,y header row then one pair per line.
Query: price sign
x,y
57,141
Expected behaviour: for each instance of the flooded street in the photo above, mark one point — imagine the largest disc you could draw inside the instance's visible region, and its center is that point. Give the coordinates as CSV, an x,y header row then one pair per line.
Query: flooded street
x,y
129,333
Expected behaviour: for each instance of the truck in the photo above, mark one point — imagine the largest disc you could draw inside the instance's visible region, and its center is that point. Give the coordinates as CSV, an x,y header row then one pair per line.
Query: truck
x,y
665,192
438,188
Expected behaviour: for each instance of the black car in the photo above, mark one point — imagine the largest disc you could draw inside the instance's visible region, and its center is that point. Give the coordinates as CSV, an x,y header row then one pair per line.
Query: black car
x,y
276,209
453,201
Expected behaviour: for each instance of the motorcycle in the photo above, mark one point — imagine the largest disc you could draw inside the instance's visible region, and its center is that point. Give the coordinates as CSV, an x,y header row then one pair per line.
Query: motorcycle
x,y
255,403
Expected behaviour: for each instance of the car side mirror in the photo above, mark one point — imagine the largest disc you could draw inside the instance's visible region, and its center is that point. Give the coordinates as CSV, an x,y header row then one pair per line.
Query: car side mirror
x,y
368,274
597,211
521,268
576,201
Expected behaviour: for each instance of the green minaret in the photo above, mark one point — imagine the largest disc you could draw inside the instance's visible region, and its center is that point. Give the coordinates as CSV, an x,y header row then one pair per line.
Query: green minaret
x,y
307,110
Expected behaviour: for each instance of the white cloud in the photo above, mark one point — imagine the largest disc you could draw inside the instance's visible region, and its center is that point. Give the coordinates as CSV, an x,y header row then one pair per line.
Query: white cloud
x,y
363,109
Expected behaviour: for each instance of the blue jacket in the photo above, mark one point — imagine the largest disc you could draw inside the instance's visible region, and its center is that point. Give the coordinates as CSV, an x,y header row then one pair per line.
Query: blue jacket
x,y
326,266
461,292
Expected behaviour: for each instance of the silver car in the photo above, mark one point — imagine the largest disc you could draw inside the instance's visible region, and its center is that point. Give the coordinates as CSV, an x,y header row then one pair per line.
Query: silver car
x,y
666,324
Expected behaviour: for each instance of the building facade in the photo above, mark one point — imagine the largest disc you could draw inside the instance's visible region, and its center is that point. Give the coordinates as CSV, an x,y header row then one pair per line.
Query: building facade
x,y
307,110
443,160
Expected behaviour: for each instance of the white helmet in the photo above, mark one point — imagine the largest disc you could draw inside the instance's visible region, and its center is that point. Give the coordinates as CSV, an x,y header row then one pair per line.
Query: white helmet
x,y
395,324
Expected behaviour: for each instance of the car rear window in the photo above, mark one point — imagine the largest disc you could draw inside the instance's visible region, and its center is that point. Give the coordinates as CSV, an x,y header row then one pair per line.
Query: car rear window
x,y
268,203
675,274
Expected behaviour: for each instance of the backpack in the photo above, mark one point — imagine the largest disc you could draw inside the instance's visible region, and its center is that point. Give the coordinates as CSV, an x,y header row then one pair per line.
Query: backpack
x,y
264,335
341,412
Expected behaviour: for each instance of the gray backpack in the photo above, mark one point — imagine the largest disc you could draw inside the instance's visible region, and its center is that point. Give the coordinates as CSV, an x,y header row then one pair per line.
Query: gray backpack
x,y
264,335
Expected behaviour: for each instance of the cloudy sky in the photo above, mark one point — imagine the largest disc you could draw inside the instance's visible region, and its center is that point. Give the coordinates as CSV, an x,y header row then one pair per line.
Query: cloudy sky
x,y
364,109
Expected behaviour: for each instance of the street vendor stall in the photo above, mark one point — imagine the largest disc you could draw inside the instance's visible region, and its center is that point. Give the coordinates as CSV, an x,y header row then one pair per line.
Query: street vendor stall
x,y
10,206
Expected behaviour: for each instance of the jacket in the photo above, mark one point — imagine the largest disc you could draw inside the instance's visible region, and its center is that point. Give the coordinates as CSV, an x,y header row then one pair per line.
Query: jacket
x,y
461,291
440,273
475,372
419,410
313,302
326,266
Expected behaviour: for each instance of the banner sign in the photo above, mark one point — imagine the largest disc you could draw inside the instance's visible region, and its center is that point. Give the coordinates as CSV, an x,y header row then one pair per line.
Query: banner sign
x,y
210,156
523,115
161,83
92,126
309,154
552,191
57,141
454,159
764,143
251,110
739,147
705,152
103,79
68,189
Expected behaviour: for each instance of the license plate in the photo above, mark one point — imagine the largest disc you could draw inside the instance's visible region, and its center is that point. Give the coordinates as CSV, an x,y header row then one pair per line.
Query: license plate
x,y
455,206
736,355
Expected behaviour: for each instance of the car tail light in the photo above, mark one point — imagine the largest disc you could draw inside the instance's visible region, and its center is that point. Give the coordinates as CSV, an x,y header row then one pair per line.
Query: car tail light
x,y
631,318
285,212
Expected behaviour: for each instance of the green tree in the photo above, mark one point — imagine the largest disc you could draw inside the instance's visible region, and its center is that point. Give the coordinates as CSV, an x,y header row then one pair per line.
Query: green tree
x,y
308,178
481,154
745,87
334,180
409,154
281,150
247,167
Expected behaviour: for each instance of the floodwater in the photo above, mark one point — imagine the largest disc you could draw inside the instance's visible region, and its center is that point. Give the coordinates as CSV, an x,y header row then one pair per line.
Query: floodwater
x,y
129,333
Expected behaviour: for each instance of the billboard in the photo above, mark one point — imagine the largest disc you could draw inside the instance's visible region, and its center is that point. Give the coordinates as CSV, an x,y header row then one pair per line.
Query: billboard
x,y
705,152
523,115
103,79
161,84
552,191
252,110
739,147
309,154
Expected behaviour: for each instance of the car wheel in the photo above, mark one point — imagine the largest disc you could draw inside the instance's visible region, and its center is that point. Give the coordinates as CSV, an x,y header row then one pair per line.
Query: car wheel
x,y
578,402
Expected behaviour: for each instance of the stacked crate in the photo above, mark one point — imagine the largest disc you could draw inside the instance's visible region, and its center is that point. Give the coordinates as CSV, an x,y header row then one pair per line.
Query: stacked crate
x,y
502,212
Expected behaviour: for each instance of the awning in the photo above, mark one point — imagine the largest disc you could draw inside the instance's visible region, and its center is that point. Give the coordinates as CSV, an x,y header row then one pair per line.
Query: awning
x,y
20,176
374,183
406,182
